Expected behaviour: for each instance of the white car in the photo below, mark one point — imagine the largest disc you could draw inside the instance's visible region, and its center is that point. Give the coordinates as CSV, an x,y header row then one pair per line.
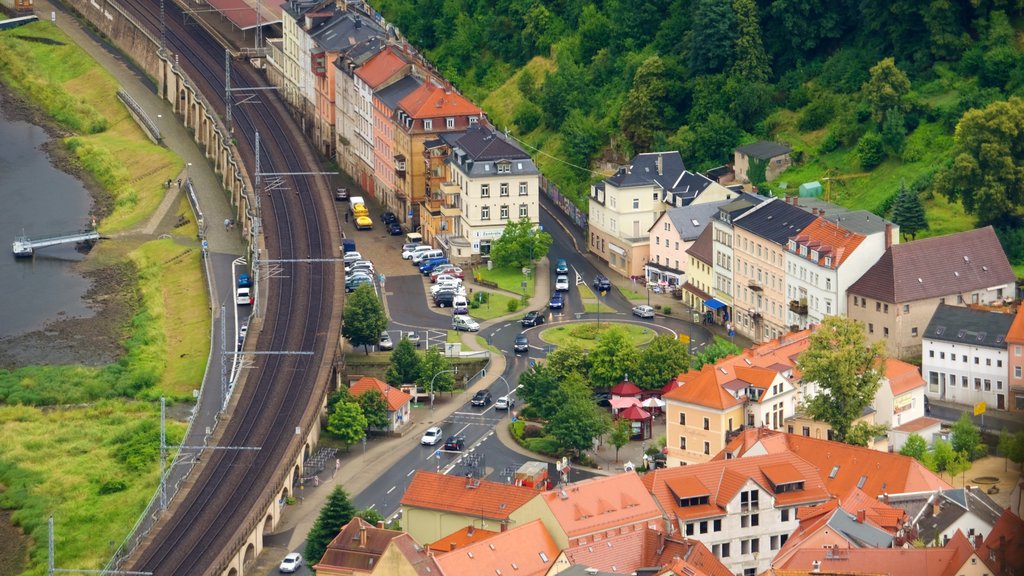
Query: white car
x,y
448,278
385,342
291,563
445,286
359,265
409,254
244,297
351,257
432,436
562,283
643,311
409,247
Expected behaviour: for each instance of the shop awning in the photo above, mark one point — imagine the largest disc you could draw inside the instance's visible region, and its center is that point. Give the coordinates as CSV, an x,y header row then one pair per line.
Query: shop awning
x,y
714,304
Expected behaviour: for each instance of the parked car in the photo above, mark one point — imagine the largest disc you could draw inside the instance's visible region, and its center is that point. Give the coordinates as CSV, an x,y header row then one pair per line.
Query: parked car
x,y
532,318
291,563
412,252
441,269
244,281
464,323
354,282
388,217
452,284
244,297
351,257
562,283
432,436
643,311
557,301
460,305
412,337
455,444
449,278
341,194
394,229
504,403
409,247
603,399
427,266
364,223
521,344
348,245
452,271
561,267
601,283
481,398
359,265
385,342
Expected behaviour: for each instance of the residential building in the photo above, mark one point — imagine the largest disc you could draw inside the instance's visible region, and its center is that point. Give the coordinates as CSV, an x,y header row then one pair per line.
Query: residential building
x,y
926,427
355,550
291,66
842,466
491,181
830,525
592,511
386,157
896,298
802,424
672,234
722,252
623,207
526,550
700,271
1003,549
760,240
380,70
743,509
399,403
640,552
752,389
964,355
435,107
461,538
353,125
403,556
1015,360
937,515
761,161
435,505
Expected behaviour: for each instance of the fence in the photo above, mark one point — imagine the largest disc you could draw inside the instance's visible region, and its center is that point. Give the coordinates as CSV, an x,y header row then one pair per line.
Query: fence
x,y
578,217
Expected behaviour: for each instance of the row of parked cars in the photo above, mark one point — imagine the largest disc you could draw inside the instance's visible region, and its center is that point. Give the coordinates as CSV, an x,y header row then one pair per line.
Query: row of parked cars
x,y
358,271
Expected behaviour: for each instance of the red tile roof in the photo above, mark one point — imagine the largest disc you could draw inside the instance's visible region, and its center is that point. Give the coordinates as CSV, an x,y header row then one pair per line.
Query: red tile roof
x,y
918,424
421,559
621,553
1003,548
461,539
1016,333
456,494
357,546
940,266
888,561
782,473
724,479
433,101
902,377
689,557
527,550
600,504
830,240
381,68
703,247
703,389
394,396
886,517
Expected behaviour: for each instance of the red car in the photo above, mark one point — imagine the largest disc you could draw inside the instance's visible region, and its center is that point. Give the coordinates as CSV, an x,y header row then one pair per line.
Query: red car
x,y
446,269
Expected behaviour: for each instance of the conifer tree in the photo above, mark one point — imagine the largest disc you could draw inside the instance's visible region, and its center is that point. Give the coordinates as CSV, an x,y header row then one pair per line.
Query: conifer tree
x,y
908,212
337,512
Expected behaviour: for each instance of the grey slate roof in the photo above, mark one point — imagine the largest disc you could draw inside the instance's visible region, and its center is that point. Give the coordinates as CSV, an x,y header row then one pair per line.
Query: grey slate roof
x,y
857,221
953,504
345,30
393,93
939,266
740,205
480,147
776,221
643,170
963,325
683,218
865,535
764,150
686,188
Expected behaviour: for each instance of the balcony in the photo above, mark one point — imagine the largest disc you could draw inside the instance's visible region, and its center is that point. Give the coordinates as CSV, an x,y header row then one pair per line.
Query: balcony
x,y
755,285
798,307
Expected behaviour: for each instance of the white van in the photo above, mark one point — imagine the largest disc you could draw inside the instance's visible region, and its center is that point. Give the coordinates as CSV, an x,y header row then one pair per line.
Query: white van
x,y
419,257
460,305
414,238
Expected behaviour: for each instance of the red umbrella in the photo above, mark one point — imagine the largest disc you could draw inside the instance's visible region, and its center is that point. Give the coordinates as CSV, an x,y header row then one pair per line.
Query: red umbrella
x,y
625,388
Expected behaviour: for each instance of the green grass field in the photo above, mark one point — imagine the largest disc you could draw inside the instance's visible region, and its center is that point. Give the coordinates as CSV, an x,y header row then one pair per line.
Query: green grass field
x,y
510,279
562,335
496,307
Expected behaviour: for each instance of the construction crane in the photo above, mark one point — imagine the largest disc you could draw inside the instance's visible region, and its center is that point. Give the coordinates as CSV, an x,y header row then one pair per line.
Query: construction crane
x,y
833,174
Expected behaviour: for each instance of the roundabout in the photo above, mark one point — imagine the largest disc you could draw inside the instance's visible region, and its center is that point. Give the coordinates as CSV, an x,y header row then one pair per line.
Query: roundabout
x,y
586,333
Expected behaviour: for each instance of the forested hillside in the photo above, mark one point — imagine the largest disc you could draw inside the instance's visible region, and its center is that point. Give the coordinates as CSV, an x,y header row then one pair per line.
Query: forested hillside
x,y
867,92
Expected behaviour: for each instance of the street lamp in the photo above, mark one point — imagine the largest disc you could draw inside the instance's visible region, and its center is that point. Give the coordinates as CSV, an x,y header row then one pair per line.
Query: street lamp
x,y
188,172
452,371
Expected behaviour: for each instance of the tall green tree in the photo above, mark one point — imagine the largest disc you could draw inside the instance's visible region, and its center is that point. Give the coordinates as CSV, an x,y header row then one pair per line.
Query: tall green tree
x,y
621,431
404,366
577,422
751,61
347,423
848,372
568,359
375,410
364,318
613,359
720,348
660,361
520,244
987,173
433,364
539,387
336,513
862,433
915,447
1011,446
886,89
965,437
908,212
713,36
643,112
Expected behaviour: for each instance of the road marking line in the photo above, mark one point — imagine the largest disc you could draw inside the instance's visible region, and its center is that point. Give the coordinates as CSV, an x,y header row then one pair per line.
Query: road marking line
x,y
390,491
411,472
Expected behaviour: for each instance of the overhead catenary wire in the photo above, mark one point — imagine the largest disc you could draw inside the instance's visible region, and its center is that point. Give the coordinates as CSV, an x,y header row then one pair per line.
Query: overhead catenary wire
x,y
555,158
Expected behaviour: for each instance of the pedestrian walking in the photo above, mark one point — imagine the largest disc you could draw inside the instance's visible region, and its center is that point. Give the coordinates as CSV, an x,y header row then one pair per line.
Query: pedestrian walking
x,y
227,224
346,217
337,466
316,481
179,182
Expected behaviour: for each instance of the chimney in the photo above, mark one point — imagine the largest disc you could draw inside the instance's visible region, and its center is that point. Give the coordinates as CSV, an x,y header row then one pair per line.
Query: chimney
x,y
661,165
978,541
380,524
885,498
362,536
936,505
888,235
861,516
451,546
470,531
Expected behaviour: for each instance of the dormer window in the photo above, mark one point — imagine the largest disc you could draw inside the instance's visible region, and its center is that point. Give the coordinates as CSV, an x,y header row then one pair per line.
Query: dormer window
x,y
792,245
803,250
693,501
449,123
504,167
428,124
828,261
814,255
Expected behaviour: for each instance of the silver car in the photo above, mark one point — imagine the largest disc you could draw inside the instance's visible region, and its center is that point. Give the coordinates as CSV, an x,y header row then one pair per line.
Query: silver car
x,y
643,311
385,342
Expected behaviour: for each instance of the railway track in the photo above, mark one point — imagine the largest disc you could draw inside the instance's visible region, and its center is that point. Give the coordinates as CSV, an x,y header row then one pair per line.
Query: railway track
x,y
301,315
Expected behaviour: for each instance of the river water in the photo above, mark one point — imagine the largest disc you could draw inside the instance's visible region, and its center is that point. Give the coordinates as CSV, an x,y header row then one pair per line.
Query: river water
x,y
37,199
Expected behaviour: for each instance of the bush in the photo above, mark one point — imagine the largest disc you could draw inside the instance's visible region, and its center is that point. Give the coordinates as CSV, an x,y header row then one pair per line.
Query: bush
x,y
527,116
546,445
112,487
870,151
481,297
516,428
513,305
584,331
817,114
830,143
667,310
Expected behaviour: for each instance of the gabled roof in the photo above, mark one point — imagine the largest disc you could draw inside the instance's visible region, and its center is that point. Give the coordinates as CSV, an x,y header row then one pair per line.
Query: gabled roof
x,y
687,557
918,424
704,389
687,187
703,248
1003,548
622,553
1016,333
888,561
394,396
482,143
933,513
829,241
601,503
392,94
764,150
357,546
345,30
459,495
433,101
526,550
381,67
856,221
775,221
842,466
643,170
961,325
690,221
421,559
462,538
902,377
940,266
724,479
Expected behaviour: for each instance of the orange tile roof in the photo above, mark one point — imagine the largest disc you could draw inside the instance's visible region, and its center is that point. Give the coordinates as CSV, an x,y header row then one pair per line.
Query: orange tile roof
x,y
703,390
726,478
601,503
782,473
1003,548
527,550
828,239
461,539
888,561
622,553
882,471
394,396
690,557
381,67
1016,333
886,517
918,424
902,377
487,499
433,101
